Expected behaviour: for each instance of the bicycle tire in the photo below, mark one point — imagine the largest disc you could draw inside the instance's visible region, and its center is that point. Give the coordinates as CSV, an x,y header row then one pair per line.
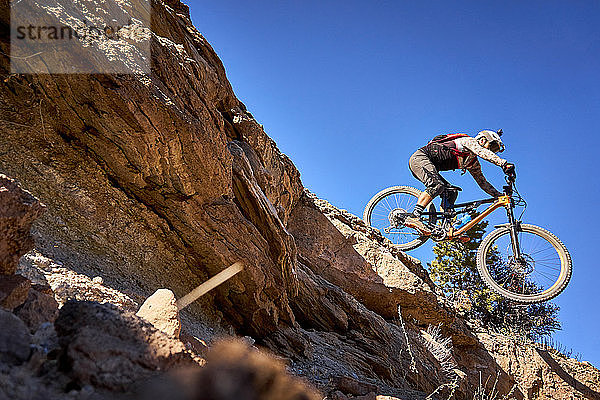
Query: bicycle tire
x,y
559,285
381,195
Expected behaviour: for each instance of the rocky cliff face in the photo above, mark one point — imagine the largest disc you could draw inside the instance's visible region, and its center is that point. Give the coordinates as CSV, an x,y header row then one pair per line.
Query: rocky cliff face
x,y
165,180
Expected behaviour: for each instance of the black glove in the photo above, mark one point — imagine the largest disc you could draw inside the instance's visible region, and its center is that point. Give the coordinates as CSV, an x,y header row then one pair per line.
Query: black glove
x,y
509,169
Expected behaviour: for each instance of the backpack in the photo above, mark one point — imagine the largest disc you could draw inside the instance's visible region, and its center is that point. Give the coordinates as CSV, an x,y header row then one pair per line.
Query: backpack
x,y
447,137
441,139
443,153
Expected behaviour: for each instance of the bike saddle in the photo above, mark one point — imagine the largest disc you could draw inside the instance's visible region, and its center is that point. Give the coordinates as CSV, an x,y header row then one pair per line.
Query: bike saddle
x,y
453,188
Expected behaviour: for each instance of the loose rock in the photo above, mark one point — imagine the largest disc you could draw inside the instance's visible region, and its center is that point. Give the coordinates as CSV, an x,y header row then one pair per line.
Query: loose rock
x,y
160,310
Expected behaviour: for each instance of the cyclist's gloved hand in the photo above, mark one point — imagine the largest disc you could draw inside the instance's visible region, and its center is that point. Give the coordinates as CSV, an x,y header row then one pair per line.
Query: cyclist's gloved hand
x,y
509,169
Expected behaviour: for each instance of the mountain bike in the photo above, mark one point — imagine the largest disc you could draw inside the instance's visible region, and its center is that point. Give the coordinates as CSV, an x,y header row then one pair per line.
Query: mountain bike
x,y
521,262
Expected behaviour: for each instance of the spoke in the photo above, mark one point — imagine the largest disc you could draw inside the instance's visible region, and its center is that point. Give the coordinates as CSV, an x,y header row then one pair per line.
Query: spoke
x,y
392,201
547,260
381,215
545,267
379,210
550,279
384,203
539,251
533,245
507,278
404,199
549,266
512,279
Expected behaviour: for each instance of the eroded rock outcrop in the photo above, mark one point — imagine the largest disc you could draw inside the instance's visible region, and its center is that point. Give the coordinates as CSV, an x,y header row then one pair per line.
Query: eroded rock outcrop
x,y
146,180
165,180
340,247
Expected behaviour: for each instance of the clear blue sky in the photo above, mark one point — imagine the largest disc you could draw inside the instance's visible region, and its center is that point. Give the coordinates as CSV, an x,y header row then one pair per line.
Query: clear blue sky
x,y
350,89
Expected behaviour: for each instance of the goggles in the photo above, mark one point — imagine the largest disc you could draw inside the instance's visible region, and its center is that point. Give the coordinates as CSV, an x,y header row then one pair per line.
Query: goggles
x,y
496,146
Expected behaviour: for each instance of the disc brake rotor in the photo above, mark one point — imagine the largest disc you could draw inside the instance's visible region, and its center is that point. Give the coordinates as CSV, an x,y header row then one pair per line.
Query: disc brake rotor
x,y
524,266
396,217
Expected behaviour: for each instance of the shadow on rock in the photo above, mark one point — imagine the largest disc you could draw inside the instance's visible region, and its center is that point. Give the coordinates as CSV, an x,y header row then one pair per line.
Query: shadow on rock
x,y
567,377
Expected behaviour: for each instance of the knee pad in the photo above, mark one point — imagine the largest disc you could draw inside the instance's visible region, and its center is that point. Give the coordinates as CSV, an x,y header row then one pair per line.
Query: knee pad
x,y
435,190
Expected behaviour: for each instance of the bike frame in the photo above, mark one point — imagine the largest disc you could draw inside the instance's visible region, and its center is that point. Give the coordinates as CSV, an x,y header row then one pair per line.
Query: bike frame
x,y
502,201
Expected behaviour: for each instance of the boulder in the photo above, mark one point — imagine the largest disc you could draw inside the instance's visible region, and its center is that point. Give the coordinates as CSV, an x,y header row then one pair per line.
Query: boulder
x,y
112,349
161,311
14,339
18,210
163,181
14,290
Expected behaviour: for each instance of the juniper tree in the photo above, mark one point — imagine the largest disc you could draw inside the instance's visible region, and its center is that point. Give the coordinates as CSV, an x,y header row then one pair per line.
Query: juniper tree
x,y
454,270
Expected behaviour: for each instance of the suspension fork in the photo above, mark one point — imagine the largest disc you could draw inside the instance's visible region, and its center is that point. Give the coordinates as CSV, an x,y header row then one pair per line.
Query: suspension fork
x,y
514,227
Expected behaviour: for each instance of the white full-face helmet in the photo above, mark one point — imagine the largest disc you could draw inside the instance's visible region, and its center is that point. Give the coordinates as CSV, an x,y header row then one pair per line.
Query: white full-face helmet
x,y
493,138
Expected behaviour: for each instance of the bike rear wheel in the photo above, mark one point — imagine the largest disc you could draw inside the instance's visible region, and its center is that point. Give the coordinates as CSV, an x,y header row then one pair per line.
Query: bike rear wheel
x,y
399,200
542,272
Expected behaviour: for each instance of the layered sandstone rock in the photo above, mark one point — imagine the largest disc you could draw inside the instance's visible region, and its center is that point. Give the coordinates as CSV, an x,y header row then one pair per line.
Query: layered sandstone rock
x,y
165,180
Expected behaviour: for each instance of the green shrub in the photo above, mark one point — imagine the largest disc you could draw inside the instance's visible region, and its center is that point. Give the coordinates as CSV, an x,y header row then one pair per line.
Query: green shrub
x,y
454,270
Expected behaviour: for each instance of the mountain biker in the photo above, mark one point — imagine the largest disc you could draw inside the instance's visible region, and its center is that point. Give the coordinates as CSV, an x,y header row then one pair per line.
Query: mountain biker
x,y
449,152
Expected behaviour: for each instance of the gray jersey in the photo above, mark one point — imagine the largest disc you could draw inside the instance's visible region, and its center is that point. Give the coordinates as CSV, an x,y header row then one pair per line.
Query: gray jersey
x,y
470,163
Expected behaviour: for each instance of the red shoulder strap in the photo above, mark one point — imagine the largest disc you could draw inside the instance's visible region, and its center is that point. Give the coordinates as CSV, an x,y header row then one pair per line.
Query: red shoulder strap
x,y
453,136
448,137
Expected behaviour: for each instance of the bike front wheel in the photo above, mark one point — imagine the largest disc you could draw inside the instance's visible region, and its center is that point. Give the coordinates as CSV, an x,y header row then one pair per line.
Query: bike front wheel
x,y
541,273
396,200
